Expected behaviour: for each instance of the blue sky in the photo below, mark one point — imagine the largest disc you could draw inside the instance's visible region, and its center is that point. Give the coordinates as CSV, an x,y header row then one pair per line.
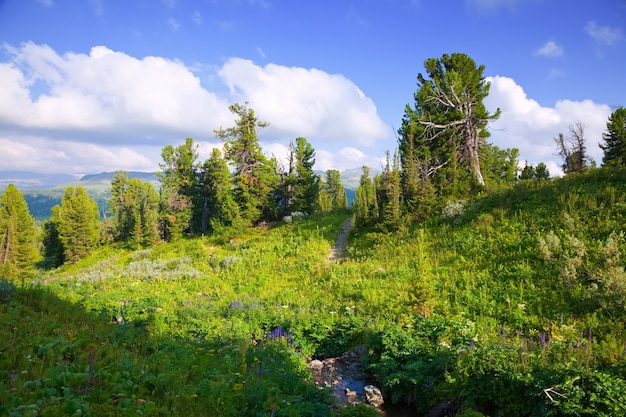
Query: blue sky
x,y
100,85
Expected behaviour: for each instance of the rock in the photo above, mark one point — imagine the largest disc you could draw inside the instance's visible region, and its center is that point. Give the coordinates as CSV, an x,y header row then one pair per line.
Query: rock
x,y
350,393
373,395
316,365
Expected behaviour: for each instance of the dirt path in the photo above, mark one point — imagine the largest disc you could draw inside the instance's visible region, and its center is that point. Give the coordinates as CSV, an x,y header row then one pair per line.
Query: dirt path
x,y
339,250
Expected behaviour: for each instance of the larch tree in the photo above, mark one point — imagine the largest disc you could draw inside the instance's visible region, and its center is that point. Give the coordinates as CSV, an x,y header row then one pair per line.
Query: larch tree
x,y
78,224
18,236
614,145
255,176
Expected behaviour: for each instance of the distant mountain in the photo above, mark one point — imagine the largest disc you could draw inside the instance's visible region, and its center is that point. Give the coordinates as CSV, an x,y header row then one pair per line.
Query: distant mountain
x,y
108,177
43,191
33,180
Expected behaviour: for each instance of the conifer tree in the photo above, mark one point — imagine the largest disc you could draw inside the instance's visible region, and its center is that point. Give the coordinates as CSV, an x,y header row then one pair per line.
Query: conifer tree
x,y
445,132
306,181
179,188
365,202
389,195
77,222
18,236
219,207
542,172
255,176
614,145
134,205
333,189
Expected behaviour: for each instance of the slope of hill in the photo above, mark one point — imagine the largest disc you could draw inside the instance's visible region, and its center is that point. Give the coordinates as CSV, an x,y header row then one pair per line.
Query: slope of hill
x,y
513,304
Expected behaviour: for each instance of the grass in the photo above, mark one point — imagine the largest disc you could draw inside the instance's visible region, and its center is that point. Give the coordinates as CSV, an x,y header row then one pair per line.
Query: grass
x,y
525,287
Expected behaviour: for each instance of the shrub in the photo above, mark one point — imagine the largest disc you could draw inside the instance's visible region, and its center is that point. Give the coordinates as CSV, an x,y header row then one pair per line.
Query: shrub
x,y
453,209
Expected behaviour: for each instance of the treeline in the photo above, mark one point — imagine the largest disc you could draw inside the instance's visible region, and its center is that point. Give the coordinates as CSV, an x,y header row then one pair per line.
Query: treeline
x,y
443,154
224,194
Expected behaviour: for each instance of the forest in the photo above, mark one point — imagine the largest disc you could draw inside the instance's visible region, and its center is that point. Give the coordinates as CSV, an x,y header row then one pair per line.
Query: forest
x,y
474,285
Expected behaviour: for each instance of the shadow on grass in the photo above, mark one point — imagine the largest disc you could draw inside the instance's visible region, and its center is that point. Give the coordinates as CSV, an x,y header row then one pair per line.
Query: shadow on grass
x,y
58,359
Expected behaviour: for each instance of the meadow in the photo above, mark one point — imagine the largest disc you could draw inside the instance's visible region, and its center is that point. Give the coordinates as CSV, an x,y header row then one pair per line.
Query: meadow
x,y
511,304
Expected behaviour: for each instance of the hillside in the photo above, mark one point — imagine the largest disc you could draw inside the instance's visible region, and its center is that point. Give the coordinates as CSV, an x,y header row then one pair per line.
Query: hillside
x,y
512,304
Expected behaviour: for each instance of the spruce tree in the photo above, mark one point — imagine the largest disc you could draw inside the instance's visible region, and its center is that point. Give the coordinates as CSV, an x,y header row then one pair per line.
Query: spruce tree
x,y
18,236
614,145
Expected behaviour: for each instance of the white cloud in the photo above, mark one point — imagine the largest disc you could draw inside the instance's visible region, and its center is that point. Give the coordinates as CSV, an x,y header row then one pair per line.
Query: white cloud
x,y
551,49
604,35
87,112
305,102
344,159
105,93
530,127
46,3
39,154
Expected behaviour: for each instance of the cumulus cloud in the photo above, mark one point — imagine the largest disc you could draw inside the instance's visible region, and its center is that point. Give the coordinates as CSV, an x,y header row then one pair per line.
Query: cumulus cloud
x,y
104,93
39,154
305,102
550,49
531,127
604,35
346,158
111,108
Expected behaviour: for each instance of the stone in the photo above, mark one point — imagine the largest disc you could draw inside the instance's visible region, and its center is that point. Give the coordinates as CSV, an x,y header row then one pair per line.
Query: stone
x,y
316,365
373,396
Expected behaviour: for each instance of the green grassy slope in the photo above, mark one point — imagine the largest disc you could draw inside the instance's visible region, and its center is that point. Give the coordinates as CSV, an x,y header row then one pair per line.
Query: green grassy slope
x,y
515,306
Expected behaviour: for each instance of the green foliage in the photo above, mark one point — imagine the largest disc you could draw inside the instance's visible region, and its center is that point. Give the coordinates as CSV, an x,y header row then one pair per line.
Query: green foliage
x,y
18,236
219,208
445,131
614,145
178,188
134,205
77,223
508,304
332,195
255,176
